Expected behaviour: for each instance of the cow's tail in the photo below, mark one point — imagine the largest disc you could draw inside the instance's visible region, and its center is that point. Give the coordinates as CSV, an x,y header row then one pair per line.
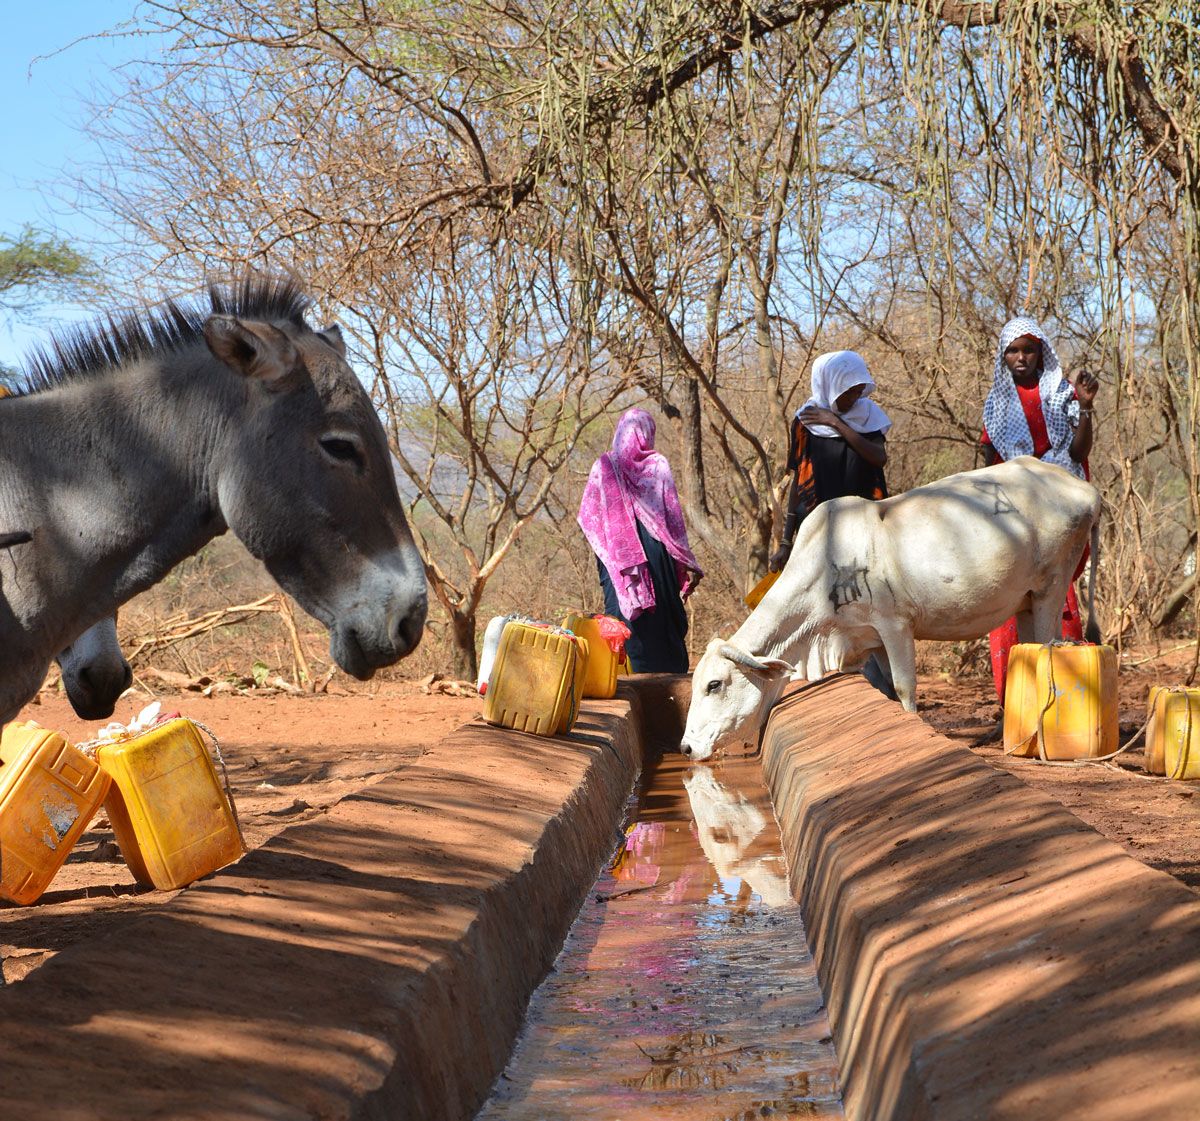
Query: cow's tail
x,y
1092,631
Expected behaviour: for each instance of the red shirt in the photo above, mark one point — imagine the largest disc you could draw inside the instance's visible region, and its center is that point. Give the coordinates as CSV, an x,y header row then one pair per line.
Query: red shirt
x,y
1031,403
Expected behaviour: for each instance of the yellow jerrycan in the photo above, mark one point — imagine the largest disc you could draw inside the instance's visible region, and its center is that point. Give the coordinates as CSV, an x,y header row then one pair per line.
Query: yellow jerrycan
x,y
1070,691
49,791
604,654
168,808
536,679
1154,744
1173,733
754,596
1022,703
578,676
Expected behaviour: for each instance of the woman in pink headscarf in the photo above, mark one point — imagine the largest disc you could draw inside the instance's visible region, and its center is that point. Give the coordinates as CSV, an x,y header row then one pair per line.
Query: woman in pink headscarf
x,y
631,517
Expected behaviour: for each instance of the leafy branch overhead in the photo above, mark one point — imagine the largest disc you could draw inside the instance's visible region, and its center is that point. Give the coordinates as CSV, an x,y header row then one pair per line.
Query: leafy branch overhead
x,y
561,77
37,267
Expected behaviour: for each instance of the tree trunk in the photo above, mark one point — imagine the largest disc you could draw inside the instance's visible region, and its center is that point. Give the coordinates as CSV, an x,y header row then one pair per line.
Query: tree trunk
x,y
759,546
695,488
1177,602
464,662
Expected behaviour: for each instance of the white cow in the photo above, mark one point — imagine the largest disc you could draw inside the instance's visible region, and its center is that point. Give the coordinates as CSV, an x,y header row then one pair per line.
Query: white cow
x,y
951,560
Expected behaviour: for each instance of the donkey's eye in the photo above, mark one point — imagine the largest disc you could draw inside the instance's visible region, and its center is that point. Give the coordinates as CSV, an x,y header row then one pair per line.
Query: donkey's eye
x,y
342,451
713,687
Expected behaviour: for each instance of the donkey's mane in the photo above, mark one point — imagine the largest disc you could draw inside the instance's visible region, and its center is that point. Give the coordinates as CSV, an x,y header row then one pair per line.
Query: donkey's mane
x,y
91,350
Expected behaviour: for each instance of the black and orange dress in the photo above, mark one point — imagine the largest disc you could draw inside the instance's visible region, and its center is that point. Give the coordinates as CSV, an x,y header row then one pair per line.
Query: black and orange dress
x,y
825,467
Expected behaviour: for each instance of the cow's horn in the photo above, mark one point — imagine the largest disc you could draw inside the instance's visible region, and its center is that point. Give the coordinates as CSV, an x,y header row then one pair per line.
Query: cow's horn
x,y
750,662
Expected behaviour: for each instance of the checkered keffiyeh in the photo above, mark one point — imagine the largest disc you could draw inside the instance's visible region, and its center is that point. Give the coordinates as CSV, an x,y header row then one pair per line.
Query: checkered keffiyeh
x,y
1003,416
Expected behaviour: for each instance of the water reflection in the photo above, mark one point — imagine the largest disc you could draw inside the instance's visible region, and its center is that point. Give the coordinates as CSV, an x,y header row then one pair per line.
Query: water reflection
x,y
685,989
728,823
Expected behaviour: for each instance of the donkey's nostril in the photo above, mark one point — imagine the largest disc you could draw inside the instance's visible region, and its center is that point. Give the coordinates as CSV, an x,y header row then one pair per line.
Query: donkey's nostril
x,y
408,628
685,748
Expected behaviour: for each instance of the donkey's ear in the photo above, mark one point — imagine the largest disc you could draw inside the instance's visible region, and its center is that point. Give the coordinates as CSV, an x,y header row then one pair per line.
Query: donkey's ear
x,y
255,350
333,336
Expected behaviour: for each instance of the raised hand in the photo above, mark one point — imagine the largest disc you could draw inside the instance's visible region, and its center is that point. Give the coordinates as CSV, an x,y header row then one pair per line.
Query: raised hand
x,y
815,414
1086,387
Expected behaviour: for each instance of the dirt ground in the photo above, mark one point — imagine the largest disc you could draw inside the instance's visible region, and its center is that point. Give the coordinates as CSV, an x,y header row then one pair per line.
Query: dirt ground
x,y
291,757
1155,819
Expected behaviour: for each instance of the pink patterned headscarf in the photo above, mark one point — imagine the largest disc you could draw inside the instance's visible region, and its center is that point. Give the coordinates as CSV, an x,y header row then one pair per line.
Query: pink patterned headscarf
x,y
632,483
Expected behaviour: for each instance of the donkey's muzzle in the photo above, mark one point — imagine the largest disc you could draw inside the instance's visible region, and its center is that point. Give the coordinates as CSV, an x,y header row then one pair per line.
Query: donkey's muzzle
x,y
95,689
362,645
408,628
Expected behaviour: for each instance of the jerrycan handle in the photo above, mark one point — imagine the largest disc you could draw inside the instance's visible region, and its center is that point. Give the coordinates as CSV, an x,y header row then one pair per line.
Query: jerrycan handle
x,y
224,771
1181,764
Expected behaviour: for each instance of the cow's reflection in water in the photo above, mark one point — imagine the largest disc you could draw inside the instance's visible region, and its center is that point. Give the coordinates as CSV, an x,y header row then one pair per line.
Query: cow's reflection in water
x,y
738,834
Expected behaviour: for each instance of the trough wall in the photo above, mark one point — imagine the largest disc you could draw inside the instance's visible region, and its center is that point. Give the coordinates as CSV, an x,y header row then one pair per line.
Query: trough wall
x,y
359,965
984,954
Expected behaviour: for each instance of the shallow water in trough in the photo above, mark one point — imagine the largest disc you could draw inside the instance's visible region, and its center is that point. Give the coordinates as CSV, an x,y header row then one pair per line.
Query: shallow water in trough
x,y
685,989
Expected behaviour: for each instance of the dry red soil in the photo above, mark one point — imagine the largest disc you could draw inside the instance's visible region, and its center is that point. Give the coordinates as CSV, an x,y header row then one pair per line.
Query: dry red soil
x,y
1154,819
291,757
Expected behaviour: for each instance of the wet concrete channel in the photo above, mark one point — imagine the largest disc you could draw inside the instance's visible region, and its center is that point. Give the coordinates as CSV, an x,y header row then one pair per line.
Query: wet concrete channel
x,y
685,989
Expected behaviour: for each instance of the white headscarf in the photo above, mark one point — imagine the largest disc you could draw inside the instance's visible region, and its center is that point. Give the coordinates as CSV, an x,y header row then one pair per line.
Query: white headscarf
x,y
832,375
1003,416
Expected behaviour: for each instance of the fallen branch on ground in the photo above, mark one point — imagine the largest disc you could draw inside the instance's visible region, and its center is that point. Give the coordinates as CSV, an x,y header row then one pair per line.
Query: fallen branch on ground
x,y
184,629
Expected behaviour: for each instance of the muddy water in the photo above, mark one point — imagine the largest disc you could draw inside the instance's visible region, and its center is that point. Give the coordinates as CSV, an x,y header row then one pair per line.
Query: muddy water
x,y
685,989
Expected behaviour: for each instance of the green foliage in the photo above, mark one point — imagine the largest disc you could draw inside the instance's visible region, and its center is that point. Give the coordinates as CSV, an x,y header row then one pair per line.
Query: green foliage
x,y
36,267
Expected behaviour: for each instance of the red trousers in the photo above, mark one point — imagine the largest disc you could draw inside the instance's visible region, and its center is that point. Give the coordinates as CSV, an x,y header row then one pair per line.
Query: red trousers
x,y
1004,637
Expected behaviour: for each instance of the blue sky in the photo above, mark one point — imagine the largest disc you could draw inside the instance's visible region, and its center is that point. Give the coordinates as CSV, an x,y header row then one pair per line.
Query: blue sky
x,y
44,104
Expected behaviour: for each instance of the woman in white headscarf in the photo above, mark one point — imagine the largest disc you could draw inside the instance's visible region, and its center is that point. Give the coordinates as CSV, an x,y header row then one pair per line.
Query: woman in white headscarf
x,y
837,443
1033,409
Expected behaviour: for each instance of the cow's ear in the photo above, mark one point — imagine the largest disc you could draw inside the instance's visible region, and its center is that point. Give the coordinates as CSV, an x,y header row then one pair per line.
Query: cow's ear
x,y
771,667
775,667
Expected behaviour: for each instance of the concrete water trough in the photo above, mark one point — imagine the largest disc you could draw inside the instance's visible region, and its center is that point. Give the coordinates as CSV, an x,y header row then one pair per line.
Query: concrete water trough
x,y
983,953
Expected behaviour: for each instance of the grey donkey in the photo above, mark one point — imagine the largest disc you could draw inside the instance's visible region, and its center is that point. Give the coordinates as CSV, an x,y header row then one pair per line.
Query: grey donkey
x,y
135,443
94,671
